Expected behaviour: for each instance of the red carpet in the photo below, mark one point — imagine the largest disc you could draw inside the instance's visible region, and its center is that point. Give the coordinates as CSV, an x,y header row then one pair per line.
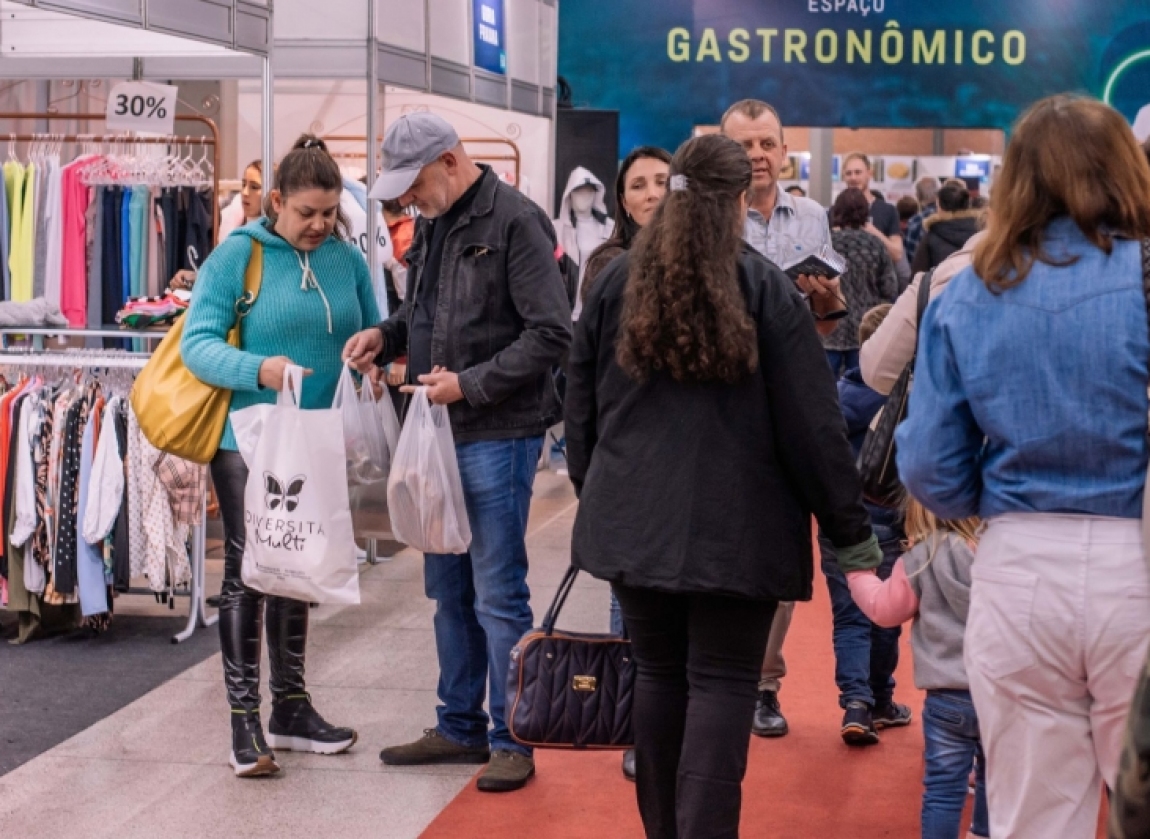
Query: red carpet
x,y
807,785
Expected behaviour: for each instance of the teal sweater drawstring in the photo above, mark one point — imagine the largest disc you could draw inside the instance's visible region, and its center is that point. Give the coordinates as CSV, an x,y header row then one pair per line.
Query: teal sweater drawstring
x,y
311,281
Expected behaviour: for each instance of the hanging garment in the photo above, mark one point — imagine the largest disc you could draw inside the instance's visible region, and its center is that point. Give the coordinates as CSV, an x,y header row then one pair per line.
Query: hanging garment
x,y
5,279
94,234
74,246
24,479
89,559
21,211
40,547
125,243
67,550
106,484
141,195
153,285
197,208
122,542
54,231
40,228
159,545
173,242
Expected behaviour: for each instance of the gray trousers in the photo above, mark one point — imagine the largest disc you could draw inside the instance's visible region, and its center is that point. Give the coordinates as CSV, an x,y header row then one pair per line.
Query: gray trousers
x,y
774,665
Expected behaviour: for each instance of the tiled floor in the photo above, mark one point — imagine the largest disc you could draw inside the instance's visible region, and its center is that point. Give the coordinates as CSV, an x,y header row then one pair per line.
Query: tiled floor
x,y
159,765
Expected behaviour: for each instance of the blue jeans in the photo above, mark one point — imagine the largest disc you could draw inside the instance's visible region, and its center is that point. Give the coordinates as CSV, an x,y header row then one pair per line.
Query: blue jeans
x,y
842,360
866,655
482,601
953,749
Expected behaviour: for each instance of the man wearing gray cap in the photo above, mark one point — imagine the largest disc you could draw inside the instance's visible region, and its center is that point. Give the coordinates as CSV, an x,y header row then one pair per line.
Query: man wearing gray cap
x,y
484,321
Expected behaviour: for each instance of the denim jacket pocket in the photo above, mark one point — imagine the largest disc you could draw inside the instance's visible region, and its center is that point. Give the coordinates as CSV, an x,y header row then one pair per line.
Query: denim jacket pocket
x,y
998,626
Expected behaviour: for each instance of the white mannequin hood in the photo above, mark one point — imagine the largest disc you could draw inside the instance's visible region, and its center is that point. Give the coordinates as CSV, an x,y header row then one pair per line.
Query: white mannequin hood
x,y
565,225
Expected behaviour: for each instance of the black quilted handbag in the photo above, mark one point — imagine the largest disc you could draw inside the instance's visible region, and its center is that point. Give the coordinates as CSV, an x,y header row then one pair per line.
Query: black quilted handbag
x,y
876,462
570,690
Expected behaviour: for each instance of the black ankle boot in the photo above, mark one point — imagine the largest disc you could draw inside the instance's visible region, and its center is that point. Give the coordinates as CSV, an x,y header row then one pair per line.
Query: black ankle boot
x,y
251,757
296,726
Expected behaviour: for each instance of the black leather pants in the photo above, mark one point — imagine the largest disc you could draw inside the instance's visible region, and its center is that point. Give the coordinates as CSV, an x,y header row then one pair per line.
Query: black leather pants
x,y
242,608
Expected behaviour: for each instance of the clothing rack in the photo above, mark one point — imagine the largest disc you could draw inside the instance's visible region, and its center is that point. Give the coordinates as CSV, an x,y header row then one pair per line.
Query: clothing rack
x,y
74,359
511,157
171,140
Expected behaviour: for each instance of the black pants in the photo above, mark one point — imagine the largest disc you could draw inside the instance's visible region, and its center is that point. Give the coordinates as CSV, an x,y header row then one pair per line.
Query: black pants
x,y
698,658
242,608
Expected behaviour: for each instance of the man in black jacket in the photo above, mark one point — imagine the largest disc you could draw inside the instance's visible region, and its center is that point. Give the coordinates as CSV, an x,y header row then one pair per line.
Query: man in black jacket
x,y
484,321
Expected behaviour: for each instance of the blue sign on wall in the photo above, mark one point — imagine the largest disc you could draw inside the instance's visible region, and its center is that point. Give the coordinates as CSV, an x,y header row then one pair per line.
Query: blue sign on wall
x,y
672,65
968,167
489,36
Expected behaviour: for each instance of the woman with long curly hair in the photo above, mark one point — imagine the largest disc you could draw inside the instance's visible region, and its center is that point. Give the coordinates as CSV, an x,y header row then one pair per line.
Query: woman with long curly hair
x,y
703,431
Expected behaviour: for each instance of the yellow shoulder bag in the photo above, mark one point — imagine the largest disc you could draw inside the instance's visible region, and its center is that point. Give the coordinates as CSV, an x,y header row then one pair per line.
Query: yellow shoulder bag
x,y
177,412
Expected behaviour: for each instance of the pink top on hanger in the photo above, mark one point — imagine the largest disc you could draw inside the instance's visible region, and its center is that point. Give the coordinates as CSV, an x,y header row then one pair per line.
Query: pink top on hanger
x,y
74,282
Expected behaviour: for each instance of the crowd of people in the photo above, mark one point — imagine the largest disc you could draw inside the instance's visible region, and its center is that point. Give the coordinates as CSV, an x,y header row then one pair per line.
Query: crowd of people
x,y
713,406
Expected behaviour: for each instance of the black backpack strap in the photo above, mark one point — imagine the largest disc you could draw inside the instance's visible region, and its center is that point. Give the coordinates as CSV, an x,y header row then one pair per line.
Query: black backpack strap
x,y
924,294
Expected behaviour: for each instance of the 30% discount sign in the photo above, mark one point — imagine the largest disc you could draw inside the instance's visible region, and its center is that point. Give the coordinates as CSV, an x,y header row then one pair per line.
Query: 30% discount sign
x,y
142,106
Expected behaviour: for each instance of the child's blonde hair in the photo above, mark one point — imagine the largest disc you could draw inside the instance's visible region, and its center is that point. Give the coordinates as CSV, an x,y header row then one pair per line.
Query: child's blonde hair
x,y
921,525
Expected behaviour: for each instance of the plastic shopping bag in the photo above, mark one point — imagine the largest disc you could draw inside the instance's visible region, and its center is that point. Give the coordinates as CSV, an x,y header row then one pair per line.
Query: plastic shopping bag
x,y
425,493
368,459
297,516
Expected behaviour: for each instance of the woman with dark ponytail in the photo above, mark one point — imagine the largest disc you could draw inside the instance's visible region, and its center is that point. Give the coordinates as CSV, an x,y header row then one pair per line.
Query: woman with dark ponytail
x,y
703,431
314,295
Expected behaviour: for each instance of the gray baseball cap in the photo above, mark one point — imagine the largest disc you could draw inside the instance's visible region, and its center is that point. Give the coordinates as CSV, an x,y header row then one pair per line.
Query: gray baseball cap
x,y
412,142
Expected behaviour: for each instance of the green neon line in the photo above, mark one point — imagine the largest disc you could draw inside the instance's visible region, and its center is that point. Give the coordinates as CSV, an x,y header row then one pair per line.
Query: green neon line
x,y
1119,70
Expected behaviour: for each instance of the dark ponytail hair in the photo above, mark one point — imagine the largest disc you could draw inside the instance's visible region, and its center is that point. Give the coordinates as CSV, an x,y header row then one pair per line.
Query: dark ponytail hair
x,y
309,165
683,311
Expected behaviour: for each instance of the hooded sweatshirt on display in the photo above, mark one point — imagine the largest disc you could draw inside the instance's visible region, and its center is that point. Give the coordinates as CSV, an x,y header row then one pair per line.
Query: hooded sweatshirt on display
x,y
580,237
306,316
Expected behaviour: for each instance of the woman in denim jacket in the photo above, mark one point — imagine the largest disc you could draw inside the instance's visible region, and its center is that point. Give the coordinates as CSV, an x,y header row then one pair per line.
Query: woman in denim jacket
x,y
1030,409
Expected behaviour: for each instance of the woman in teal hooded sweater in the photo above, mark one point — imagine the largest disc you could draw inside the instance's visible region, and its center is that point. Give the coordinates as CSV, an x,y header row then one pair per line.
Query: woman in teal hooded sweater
x,y
315,294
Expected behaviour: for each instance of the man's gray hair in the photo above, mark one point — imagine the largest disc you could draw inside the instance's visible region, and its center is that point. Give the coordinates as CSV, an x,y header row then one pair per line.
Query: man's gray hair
x,y
926,188
751,109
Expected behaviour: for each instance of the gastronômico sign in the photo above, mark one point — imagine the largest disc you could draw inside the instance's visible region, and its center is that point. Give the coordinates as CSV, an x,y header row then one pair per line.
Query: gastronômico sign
x,y
853,63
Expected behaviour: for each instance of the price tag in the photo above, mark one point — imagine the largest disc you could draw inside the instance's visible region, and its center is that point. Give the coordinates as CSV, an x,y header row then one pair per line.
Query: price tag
x,y
142,106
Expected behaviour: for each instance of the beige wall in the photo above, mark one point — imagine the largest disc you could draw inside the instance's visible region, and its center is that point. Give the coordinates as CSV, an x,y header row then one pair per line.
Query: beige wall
x,y
914,142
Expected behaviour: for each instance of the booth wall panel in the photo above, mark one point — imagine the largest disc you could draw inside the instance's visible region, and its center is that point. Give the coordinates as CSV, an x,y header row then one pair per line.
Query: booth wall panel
x,y
129,11
450,34
402,67
490,89
220,67
522,36
253,30
65,68
450,79
548,102
331,21
205,19
318,59
401,23
548,44
524,97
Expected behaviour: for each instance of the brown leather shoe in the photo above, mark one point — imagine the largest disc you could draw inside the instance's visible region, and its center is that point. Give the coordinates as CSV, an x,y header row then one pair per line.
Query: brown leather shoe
x,y
507,772
433,748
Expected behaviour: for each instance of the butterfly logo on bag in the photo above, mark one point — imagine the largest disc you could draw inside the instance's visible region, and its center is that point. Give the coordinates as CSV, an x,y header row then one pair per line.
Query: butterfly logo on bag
x,y
278,496
278,528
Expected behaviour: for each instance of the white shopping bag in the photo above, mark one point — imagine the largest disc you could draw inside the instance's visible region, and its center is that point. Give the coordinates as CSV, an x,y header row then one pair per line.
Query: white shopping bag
x,y
297,517
425,493
368,457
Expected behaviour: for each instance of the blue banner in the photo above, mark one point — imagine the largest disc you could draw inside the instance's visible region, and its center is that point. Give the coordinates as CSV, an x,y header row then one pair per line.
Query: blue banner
x,y
489,36
675,64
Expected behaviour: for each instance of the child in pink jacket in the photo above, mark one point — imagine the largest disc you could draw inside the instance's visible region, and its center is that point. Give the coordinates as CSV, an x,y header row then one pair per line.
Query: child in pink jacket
x,y
931,583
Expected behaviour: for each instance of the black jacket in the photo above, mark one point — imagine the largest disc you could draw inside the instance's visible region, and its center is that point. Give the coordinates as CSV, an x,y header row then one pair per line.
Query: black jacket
x,y
943,235
502,320
711,487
